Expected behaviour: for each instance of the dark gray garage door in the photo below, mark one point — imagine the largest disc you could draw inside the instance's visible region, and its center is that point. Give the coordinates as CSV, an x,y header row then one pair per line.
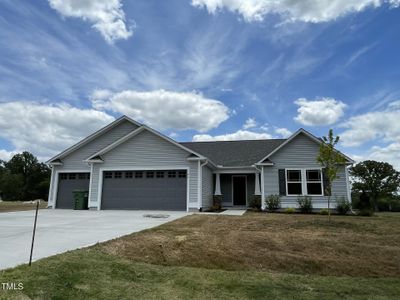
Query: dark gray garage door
x,y
147,190
67,183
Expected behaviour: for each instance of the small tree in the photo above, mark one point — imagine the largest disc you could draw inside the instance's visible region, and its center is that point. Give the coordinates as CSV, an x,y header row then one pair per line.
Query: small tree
x,y
330,159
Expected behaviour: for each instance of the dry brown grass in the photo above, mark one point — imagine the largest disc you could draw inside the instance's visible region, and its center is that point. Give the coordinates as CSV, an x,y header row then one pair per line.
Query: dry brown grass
x,y
9,206
303,244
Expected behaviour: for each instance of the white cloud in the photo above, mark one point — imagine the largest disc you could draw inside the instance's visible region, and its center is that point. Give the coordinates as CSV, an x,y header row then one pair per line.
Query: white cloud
x,y
323,111
283,132
390,154
107,16
250,123
6,155
313,11
238,135
165,109
45,129
373,125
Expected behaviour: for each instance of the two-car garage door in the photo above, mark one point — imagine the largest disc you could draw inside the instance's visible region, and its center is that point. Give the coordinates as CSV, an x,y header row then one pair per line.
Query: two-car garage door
x,y
146,190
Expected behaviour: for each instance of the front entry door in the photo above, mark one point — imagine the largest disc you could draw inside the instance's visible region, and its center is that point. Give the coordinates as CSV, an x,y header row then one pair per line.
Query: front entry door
x,y
239,190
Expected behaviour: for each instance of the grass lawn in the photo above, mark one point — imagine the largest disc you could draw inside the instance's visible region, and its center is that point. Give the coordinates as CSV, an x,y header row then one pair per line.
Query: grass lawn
x,y
7,206
252,256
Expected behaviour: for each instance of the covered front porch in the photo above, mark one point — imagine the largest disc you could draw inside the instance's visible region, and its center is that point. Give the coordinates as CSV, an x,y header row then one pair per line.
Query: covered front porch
x,y
237,188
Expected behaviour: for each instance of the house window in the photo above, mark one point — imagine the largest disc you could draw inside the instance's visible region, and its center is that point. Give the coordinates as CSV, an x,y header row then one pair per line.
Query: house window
x,y
117,174
108,175
129,174
171,174
82,176
314,182
294,183
138,174
63,176
182,174
72,176
149,174
160,174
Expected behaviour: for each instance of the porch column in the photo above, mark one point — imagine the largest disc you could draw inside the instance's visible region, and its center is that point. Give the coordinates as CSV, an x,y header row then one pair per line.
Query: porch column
x,y
257,185
217,185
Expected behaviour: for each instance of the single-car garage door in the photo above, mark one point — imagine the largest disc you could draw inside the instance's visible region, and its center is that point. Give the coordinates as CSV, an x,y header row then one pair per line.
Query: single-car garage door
x,y
146,190
67,183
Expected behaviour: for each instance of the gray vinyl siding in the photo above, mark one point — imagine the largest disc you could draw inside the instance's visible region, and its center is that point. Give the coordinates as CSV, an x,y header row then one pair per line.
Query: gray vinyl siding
x,y
207,187
301,152
74,161
146,151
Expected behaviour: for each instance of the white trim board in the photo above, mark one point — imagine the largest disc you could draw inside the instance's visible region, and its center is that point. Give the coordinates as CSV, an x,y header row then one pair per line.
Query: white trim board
x,y
136,168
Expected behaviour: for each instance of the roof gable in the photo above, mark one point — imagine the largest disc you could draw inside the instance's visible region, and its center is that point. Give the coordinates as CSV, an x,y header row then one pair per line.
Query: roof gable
x,y
136,132
92,137
291,138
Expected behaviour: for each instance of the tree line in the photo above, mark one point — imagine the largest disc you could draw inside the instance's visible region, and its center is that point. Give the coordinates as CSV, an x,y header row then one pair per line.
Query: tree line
x,y
23,177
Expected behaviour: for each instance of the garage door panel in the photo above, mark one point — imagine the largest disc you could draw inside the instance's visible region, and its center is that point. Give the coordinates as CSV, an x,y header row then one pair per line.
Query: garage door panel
x,y
144,193
67,183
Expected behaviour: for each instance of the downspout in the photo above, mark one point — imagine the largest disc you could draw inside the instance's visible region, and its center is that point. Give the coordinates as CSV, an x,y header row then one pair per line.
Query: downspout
x,y
50,197
348,190
262,184
90,185
200,186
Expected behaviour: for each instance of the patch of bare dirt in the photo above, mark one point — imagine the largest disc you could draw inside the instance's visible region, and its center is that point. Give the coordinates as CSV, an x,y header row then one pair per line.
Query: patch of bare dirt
x,y
305,244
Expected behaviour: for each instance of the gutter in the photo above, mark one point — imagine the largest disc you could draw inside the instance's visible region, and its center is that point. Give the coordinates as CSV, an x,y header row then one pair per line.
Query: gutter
x,y
200,184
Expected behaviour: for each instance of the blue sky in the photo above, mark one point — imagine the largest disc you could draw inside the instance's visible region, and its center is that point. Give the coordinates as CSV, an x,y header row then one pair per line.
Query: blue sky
x,y
201,70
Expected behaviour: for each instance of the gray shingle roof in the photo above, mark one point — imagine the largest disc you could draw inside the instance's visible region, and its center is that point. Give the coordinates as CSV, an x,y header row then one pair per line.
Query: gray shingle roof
x,y
235,153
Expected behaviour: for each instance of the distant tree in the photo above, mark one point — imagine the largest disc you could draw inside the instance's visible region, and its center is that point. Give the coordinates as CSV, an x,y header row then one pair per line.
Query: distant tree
x,y
23,177
330,159
377,179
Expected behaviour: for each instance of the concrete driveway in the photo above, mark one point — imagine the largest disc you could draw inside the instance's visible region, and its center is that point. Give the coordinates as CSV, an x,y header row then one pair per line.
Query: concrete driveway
x,y
62,230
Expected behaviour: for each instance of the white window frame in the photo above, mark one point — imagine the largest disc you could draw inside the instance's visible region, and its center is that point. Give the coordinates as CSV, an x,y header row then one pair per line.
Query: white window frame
x,y
287,183
321,181
304,181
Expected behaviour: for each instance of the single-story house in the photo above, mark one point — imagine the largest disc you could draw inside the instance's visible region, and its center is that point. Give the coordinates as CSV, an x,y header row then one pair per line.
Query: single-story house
x,y
128,165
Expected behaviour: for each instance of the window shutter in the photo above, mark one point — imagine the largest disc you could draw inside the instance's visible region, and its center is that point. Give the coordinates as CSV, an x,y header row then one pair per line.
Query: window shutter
x,y
282,182
325,182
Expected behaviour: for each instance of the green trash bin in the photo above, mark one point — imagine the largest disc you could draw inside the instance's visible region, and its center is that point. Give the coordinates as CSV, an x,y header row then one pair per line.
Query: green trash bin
x,y
80,199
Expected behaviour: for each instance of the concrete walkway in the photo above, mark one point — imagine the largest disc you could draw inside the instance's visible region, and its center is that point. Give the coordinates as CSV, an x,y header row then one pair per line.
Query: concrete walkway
x,y
233,212
62,230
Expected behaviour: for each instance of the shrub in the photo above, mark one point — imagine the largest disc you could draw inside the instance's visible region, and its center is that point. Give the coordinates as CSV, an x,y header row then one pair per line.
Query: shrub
x,y
343,206
255,202
290,210
273,202
217,202
388,204
324,211
305,204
